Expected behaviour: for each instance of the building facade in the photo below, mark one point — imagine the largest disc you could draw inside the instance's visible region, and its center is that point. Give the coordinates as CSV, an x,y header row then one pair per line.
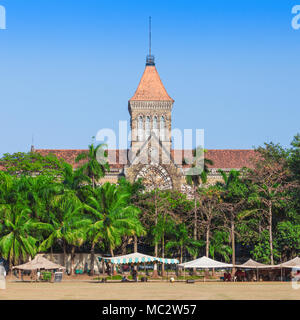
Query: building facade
x,y
150,156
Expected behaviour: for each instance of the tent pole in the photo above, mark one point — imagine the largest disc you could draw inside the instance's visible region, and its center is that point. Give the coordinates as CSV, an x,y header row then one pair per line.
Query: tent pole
x,y
281,273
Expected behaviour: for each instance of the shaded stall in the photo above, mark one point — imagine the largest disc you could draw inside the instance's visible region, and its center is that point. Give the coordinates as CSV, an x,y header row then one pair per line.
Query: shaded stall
x,y
253,265
37,264
260,267
137,258
205,263
291,264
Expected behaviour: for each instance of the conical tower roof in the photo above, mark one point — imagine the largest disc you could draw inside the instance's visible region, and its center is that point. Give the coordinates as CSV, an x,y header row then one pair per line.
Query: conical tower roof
x,y
150,87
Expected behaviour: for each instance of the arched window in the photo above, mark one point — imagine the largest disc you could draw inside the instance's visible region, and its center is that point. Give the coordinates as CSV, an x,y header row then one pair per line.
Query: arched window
x,y
147,127
155,122
140,128
162,128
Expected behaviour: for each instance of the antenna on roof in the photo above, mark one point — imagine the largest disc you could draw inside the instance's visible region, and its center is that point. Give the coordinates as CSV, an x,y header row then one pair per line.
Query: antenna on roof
x,y
150,57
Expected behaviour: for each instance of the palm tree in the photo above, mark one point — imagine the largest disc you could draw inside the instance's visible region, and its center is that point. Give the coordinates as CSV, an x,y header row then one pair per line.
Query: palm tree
x,y
183,242
6,186
16,240
93,168
36,192
73,179
196,176
68,226
219,245
113,217
164,226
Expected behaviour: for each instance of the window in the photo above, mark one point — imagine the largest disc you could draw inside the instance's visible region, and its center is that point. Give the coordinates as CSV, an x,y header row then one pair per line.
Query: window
x,y
162,128
147,127
155,122
140,128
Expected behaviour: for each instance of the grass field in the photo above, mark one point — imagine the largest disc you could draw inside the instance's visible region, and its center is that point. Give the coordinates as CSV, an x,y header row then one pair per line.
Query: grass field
x,y
81,290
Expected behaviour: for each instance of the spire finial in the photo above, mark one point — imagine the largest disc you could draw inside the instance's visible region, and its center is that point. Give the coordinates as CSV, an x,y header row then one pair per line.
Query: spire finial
x,y
149,36
150,57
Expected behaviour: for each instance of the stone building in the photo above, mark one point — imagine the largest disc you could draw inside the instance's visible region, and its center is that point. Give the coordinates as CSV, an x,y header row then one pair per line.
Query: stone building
x,y
150,156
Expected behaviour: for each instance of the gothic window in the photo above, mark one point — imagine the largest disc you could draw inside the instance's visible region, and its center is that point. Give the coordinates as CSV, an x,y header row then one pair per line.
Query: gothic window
x,y
162,128
147,127
155,122
140,128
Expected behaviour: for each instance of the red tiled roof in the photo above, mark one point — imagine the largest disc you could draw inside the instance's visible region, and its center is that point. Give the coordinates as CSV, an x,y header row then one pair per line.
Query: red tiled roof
x,y
116,158
222,158
150,87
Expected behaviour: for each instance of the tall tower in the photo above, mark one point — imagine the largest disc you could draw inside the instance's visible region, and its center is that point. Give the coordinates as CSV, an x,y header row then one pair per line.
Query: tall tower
x,y
150,111
150,108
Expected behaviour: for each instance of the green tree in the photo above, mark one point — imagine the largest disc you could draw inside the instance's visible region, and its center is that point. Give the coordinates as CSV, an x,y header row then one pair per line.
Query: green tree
x,y
196,176
96,163
220,245
67,226
16,240
271,180
31,163
211,206
261,251
288,239
234,195
181,241
113,216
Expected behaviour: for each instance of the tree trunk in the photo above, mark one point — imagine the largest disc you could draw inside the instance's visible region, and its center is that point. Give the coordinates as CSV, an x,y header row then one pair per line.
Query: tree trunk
x,y
233,243
114,271
64,253
135,247
51,254
181,253
270,233
72,259
195,215
195,224
124,245
92,272
103,268
163,255
155,273
207,240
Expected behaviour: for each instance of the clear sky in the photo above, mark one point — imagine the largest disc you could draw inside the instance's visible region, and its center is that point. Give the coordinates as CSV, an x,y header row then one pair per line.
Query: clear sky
x,y
69,67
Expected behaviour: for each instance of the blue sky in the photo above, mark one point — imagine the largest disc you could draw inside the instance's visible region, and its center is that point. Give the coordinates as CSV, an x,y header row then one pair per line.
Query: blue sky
x,y
69,67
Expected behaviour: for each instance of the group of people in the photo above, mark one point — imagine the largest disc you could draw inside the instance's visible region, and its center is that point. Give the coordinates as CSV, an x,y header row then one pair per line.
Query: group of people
x,y
239,275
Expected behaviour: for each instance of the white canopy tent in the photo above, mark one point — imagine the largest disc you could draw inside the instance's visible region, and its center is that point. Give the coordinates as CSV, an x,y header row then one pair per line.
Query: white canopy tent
x,y
205,263
137,258
252,264
293,263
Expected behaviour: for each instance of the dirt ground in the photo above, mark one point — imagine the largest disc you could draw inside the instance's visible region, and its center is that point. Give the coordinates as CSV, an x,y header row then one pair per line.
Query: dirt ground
x,y
92,290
